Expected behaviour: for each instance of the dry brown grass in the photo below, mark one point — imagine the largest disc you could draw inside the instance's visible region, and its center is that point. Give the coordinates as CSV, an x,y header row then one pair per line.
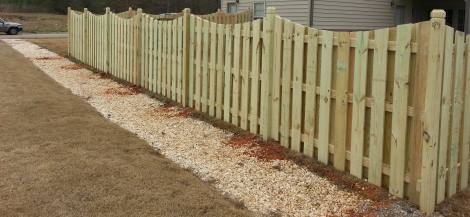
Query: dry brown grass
x,y
60,157
38,22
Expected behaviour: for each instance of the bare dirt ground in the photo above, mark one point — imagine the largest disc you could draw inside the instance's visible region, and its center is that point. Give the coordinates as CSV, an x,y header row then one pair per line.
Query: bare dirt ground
x,y
60,157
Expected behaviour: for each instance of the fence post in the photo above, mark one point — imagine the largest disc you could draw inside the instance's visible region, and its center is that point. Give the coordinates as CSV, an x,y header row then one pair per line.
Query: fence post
x,y
267,73
137,46
429,119
186,35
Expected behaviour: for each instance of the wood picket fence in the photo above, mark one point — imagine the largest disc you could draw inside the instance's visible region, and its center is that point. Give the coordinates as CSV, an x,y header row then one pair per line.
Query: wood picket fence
x,y
391,105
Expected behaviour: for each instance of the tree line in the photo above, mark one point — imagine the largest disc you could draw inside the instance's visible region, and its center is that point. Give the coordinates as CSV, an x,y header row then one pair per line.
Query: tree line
x,y
98,6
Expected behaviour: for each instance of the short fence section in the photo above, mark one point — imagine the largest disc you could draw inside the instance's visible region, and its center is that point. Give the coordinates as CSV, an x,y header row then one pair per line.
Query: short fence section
x,y
389,105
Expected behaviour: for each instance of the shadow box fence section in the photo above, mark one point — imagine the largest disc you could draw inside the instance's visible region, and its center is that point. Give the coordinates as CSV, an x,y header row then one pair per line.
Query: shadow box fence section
x,y
391,105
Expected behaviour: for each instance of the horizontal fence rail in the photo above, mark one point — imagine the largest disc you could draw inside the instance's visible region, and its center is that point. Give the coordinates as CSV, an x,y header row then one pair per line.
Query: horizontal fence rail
x,y
391,105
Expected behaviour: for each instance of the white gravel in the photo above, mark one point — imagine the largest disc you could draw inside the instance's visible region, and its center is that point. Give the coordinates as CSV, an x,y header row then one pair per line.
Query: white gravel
x,y
267,187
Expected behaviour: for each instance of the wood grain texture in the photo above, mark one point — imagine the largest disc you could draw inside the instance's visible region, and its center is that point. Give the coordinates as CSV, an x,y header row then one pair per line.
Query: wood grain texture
x,y
359,95
325,97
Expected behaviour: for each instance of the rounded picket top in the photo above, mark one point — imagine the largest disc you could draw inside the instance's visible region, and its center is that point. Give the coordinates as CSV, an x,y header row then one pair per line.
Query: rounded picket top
x,y
438,13
270,10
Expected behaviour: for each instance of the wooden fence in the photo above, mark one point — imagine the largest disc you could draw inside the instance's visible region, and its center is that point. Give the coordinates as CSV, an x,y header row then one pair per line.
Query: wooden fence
x,y
391,105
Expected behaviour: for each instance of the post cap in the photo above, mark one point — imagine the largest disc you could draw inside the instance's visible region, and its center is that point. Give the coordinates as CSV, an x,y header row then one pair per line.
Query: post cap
x,y
139,10
107,9
186,10
85,9
438,13
271,10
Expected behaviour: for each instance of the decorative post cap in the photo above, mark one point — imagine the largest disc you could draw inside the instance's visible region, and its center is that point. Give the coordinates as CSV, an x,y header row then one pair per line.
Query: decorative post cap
x,y
107,9
438,13
186,10
139,10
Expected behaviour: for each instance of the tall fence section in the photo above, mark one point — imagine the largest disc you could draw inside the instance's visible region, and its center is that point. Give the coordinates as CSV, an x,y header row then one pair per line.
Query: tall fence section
x,y
391,105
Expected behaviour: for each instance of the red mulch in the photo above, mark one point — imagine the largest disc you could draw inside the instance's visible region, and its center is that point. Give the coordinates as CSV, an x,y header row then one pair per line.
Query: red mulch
x,y
170,111
257,148
123,91
72,67
242,141
48,58
268,151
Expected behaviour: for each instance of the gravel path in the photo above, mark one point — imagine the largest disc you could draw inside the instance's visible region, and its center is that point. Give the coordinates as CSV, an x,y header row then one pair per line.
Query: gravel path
x,y
274,188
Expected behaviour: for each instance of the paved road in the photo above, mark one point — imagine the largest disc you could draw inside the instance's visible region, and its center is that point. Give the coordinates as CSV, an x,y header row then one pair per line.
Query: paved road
x,y
33,35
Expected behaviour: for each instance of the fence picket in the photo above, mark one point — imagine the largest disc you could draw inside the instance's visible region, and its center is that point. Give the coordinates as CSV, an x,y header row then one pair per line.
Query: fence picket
x,y
213,68
245,85
174,58
192,26
464,152
179,63
128,49
286,84
164,58
341,106
153,80
297,82
236,74
220,70
400,110
276,101
457,110
205,66
311,91
377,122
130,52
159,56
155,56
255,76
198,75
170,59
144,74
228,74
122,44
325,100
267,68
445,114
359,103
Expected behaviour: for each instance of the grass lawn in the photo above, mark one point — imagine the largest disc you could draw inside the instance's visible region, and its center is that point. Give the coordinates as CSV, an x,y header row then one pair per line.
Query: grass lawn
x,y
38,22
